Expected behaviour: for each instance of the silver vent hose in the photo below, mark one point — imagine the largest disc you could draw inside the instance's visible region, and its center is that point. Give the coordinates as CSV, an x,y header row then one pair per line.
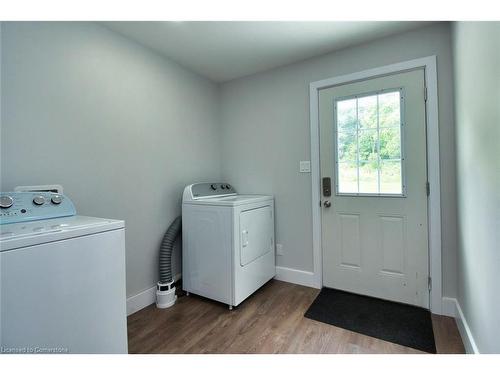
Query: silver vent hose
x,y
165,291
166,249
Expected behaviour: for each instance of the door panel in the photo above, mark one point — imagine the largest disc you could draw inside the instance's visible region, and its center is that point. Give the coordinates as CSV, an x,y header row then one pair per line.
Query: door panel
x,y
392,238
373,146
349,242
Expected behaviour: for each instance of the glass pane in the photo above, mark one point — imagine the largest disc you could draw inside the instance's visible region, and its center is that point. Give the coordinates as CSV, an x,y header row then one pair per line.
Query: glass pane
x,y
368,145
367,112
390,177
368,177
348,178
346,115
347,147
389,109
390,143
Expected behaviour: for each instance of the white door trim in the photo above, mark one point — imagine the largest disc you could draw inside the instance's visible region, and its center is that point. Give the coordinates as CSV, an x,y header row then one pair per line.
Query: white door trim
x,y
434,199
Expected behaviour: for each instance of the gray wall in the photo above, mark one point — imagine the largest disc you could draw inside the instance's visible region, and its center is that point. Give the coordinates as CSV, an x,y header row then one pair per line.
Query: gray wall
x,y
121,128
265,121
477,84
114,122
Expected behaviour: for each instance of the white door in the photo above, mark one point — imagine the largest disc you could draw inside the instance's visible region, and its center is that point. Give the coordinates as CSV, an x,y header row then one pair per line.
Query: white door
x,y
374,196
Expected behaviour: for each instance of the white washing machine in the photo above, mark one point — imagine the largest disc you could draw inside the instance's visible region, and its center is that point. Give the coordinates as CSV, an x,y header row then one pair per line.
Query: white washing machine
x,y
62,278
228,242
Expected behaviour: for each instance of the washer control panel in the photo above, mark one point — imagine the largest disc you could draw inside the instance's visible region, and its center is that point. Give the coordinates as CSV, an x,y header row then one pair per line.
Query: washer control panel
x,y
18,206
211,189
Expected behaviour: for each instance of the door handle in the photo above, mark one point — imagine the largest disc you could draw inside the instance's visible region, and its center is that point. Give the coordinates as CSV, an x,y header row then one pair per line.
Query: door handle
x,y
327,204
244,238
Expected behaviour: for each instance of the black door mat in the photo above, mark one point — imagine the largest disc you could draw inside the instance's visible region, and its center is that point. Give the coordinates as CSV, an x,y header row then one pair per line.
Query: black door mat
x,y
390,321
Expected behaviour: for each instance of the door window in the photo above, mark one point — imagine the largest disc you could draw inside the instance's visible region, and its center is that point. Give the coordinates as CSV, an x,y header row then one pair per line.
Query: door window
x,y
369,144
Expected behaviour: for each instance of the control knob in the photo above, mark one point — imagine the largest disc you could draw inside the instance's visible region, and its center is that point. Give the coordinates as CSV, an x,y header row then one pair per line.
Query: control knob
x,y
6,201
38,200
56,199
213,187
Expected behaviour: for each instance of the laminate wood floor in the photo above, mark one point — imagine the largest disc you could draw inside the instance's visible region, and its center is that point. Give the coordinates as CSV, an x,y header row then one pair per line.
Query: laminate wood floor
x,y
270,321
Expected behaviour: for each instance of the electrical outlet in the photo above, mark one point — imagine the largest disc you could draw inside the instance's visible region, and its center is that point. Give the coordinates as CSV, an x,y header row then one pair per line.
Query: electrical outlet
x,y
279,249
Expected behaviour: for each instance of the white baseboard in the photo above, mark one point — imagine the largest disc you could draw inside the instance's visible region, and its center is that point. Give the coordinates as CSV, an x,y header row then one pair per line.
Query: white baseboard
x,y
294,276
452,308
449,307
141,300
465,332
144,298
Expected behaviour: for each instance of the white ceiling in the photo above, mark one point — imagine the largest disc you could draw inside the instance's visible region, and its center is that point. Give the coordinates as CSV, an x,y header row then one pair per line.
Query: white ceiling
x,y
223,51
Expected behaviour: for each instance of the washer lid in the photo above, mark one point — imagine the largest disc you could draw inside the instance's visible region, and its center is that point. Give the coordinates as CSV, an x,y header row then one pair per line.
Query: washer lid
x,y
13,236
233,200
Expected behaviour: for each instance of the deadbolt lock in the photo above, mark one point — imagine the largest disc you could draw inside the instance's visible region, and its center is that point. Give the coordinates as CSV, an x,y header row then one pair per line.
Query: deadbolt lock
x,y
327,186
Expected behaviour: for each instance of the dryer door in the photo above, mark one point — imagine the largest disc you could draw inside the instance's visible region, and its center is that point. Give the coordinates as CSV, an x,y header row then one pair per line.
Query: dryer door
x,y
256,236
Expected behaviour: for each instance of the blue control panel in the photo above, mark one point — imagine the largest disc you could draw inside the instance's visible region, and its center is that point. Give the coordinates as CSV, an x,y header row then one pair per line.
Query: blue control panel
x,y
16,207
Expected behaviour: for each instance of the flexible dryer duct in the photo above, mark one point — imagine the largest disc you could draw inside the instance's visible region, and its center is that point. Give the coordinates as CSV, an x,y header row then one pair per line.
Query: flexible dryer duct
x,y
165,291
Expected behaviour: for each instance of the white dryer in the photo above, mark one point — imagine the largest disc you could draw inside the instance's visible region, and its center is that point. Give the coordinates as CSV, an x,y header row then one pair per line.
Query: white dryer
x,y
228,242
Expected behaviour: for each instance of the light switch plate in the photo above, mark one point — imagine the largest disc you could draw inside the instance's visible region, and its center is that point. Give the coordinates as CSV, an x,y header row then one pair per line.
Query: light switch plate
x,y
305,166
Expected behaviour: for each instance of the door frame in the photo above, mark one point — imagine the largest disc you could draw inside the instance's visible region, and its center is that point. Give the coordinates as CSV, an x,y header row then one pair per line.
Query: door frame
x,y
432,133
